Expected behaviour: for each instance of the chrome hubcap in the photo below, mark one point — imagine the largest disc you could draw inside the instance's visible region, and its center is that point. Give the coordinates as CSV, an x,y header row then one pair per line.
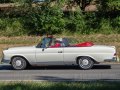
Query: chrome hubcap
x,y
85,62
18,63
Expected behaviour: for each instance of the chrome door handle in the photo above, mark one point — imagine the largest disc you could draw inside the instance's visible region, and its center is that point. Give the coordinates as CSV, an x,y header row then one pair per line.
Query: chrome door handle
x,y
59,51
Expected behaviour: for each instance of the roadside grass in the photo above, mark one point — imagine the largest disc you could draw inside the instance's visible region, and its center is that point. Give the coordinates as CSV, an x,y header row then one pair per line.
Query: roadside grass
x,y
111,40
60,85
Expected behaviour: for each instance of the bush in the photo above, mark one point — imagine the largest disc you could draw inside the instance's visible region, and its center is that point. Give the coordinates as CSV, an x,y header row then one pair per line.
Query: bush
x,y
75,22
11,27
44,19
106,27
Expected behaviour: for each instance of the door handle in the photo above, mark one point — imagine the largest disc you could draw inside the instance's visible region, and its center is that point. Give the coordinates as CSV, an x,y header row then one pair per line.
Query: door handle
x,y
59,51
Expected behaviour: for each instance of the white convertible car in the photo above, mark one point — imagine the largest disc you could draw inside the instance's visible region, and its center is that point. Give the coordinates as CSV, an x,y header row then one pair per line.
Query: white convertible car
x,y
53,51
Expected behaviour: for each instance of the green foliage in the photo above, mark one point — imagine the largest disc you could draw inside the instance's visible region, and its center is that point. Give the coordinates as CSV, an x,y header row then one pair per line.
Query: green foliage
x,y
92,22
110,5
75,22
114,4
14,1
11,27
106,28
44,19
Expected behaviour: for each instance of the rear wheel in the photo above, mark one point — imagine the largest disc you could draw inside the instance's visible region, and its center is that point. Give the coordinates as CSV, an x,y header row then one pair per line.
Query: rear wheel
x,y
85,63
19,63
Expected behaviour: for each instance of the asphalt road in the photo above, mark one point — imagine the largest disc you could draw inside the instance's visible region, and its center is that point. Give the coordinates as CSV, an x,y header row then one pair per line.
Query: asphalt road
x,y
61,73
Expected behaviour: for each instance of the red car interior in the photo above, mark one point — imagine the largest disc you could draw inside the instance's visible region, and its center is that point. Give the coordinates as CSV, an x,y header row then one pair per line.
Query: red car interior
x,y
85,44
56,45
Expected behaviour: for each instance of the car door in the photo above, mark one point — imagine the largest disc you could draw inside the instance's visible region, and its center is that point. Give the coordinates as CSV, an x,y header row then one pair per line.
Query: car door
x,y
70,55
49,56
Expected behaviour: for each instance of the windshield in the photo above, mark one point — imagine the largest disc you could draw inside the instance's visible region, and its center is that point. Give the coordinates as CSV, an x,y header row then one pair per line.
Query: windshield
x,y
46,42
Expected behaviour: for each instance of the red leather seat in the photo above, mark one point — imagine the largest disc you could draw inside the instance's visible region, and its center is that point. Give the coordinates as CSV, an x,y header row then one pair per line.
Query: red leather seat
x,y
56,45
85,44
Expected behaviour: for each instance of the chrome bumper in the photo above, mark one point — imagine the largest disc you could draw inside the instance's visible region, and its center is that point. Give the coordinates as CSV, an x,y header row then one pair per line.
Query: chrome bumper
x,y
114,59
5,61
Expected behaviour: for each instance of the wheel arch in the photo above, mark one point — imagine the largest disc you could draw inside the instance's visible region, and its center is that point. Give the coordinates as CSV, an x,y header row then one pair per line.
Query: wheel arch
x,y
77,58
21,57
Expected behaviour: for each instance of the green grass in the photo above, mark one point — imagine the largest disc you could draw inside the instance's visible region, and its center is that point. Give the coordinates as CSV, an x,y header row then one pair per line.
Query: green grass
x,y
96,38
60,86
19,40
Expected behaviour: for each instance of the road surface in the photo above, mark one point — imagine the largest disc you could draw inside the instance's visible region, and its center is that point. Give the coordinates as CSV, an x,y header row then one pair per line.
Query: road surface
x,y
61,73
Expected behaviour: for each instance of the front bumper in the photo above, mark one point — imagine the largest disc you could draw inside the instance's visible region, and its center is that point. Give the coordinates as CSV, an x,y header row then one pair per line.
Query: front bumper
x,y
114,59
5,61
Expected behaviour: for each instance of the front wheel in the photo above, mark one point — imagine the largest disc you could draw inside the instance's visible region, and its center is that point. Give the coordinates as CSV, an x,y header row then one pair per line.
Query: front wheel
x,y
85,63
19,63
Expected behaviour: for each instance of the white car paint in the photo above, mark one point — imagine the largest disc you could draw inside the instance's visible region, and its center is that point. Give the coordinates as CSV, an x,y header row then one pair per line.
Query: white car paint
x,y
49,56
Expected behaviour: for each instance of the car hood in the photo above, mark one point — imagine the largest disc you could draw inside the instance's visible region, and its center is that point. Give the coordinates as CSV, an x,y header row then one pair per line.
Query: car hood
x,y
25,47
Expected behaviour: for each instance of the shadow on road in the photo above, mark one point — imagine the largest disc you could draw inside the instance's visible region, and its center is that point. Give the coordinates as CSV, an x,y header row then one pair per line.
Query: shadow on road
x,y
67,67
8,67
53,78
56,78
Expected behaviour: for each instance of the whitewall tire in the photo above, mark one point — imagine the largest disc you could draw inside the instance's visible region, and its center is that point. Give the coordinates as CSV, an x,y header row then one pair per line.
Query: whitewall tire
x,y
19,63
85,63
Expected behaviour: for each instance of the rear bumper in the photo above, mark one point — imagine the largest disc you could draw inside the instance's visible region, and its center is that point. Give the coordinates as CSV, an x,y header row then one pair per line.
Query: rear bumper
x,y
114,59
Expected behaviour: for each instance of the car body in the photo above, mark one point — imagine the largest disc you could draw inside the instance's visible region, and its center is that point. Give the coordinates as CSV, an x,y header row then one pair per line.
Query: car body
x,y
51,51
